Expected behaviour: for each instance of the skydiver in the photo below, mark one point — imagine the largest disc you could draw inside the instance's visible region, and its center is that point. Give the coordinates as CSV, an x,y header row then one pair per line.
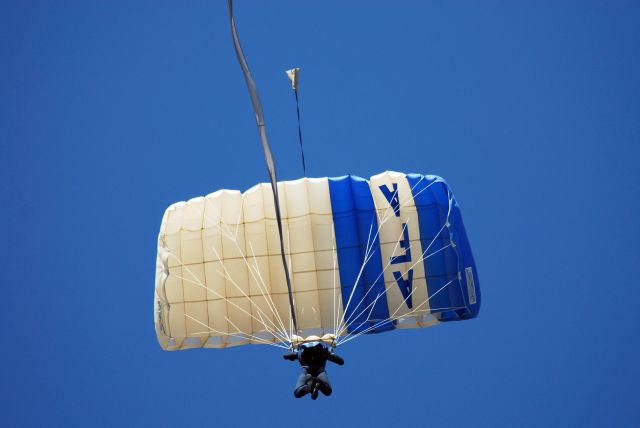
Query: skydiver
x,y
313,356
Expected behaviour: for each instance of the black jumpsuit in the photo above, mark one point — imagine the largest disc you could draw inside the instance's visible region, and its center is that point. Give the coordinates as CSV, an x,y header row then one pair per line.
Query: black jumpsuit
x,y
313,357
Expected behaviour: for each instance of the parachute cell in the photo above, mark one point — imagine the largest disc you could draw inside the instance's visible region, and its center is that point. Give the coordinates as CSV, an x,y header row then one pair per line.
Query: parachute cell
x,y
365,256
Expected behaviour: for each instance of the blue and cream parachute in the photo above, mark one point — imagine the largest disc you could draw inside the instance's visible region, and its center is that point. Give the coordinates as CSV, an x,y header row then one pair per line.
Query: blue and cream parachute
x,y
365,256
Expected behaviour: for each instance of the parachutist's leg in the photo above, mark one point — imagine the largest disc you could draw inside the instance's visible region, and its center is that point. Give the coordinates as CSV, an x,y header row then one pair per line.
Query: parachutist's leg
x,y
303,386
323,382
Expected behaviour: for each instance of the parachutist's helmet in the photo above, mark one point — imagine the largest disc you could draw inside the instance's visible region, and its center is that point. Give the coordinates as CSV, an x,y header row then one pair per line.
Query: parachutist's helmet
x,y
313,348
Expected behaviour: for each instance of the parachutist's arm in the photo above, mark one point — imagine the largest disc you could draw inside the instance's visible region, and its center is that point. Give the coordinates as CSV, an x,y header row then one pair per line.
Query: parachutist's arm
x,y
335,359
291,356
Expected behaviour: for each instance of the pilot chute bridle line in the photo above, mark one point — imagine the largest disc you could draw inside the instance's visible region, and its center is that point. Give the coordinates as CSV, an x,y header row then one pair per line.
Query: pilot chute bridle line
x,y
271,166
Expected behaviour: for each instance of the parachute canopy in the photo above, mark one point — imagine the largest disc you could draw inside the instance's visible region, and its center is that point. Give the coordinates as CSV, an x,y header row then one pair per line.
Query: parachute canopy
x,y
365,256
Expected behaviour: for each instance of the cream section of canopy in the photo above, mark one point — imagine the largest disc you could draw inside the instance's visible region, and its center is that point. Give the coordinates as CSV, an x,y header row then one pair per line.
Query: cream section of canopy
x,y
220,280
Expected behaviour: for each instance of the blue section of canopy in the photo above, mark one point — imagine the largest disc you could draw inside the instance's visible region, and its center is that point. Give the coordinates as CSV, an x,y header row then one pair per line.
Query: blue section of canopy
x,y
451,274
448,262
356,225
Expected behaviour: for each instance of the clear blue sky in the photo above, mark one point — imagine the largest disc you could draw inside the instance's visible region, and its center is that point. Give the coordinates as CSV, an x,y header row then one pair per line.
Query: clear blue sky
x,y
111,111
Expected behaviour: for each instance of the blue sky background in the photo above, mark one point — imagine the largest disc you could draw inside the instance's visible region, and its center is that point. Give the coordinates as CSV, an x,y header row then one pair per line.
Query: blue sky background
x,y
111,111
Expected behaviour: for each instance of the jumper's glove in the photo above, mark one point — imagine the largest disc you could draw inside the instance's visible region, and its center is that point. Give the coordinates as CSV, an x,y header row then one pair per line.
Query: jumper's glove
x,y
291,356
335,359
